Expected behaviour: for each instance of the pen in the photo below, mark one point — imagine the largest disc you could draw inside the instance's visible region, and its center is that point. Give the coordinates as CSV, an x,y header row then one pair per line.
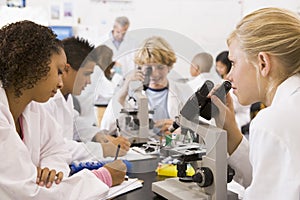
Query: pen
x,y
126,178
117,153
118,127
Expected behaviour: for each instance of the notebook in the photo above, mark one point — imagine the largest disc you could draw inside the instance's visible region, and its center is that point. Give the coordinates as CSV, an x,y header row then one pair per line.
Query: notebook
x,y
126,186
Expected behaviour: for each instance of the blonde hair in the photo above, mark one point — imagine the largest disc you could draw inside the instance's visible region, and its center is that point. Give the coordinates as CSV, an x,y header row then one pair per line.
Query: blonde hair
x,y
155,50
274,31
203,61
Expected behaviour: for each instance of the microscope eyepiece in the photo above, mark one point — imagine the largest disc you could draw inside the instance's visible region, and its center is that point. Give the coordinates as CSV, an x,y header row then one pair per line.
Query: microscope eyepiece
x,y
209,110
147,77
191,108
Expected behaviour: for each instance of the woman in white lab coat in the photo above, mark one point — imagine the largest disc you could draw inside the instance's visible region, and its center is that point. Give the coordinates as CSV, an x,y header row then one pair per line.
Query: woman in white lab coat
x,y
31,61
264,50
165,97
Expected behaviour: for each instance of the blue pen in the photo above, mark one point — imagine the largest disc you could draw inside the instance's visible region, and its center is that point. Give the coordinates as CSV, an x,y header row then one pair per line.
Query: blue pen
x,y
117,153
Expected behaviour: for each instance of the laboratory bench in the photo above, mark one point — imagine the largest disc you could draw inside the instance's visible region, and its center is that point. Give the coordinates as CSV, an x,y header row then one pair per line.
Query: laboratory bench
x,y
145,192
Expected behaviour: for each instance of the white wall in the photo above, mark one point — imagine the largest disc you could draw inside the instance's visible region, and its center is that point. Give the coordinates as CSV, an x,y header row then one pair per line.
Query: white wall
x,y
250,6
201,20
187,21
189,25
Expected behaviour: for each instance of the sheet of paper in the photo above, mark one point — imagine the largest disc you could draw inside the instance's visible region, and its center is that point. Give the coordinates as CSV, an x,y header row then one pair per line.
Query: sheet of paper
x,y
132,156
126,186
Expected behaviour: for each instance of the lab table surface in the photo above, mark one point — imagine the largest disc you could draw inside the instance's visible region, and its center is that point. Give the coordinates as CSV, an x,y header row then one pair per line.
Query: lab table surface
x,y
145,193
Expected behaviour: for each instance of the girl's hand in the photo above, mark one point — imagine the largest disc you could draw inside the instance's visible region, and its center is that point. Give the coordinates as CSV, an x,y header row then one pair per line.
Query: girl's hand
x,y
45,177
226,120
117,170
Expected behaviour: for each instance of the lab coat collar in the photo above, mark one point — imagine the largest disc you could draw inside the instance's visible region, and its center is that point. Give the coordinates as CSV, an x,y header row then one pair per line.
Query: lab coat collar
x,y
113,39
6,112
30,118
172,88
30,110
4,100
3,97
60,100
174,101
286,88
58,95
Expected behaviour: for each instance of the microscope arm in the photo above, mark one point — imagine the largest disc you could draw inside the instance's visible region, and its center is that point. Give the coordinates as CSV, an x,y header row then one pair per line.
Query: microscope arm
x,y
136,92
215,140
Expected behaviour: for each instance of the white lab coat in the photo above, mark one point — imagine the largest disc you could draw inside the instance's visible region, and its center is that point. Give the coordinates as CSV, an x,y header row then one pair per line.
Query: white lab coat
x,y
100,91
65,115
44,147
177,96
124,55
269,165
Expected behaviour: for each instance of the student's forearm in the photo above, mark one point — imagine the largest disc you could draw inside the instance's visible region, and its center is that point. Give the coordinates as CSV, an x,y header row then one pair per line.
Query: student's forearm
x,y
122,96
234,138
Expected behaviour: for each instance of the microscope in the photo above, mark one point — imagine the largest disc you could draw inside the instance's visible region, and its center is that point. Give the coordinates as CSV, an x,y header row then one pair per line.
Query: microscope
x,y
210,179
137,123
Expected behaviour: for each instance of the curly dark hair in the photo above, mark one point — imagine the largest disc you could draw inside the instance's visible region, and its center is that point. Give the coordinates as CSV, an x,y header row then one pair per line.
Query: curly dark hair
x,y
25,54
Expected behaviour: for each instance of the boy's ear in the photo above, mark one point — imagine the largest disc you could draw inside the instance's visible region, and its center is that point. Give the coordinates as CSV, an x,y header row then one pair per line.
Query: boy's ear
x,y
67,67
264,63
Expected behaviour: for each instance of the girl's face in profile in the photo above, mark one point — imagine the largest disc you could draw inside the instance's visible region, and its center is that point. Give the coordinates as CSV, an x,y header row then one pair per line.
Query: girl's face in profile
x,y
242,75
47,86
221,69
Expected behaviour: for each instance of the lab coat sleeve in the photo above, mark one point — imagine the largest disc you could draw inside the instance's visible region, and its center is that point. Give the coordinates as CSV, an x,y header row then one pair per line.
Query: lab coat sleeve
x,y
178,95
83,130
18,173
104,89
54,153
91,151
239,161
112,112
275,164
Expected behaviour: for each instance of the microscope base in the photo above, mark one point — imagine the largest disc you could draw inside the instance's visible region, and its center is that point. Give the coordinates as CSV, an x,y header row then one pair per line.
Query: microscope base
x,y
172,188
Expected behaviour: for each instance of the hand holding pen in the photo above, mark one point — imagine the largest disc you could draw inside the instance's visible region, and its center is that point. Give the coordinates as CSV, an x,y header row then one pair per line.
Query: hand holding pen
x,y
124,142
109,150
117,170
